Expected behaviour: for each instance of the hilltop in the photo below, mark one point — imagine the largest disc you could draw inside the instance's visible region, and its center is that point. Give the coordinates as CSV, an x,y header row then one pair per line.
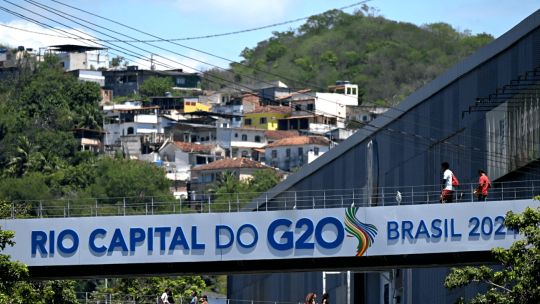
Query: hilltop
x,y
388,59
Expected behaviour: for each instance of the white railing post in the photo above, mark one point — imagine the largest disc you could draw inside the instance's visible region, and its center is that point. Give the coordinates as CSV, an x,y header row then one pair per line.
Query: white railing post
x,y
124,201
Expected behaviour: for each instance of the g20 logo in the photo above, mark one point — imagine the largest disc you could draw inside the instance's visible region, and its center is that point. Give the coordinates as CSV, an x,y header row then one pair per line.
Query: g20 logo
x,y
365,233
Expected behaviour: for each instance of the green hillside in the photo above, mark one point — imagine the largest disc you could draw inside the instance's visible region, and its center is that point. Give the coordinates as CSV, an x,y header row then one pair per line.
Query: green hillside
x,y
388,59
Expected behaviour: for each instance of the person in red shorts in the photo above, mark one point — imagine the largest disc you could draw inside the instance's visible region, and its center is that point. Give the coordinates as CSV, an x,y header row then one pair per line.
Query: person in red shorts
x,y
447,193
483,185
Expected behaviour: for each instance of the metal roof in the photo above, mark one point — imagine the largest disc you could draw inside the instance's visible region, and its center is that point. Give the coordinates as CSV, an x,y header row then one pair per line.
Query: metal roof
x,y
75,48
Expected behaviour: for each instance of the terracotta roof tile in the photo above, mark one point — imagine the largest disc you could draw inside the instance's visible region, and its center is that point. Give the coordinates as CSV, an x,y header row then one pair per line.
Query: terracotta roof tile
x,y
191,147
271,109
231,163
300,140
277,134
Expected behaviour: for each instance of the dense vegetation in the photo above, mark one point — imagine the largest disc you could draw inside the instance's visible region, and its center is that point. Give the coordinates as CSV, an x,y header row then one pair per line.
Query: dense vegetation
x,y
39,160
517,277
39,157
387,59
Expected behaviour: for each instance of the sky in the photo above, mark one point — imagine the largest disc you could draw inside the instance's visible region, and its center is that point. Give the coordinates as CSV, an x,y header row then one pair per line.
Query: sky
x,y
188,18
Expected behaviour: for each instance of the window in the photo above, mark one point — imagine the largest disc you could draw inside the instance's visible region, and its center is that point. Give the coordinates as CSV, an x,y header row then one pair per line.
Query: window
x,y
316,150
300,151
288,152
245,154
237,118
180,81
310,107
130,130
297,107
235,135
247,121
262,120
274,153
257,138
348,91
244,137
354,91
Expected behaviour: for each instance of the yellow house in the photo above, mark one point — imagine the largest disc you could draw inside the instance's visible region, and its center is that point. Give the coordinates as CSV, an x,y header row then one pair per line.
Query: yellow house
x,y
266,117
193,106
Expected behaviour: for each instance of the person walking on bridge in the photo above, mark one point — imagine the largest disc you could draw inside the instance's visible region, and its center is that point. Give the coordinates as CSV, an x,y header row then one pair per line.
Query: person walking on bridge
x,y
204,299
310,298
483,185
164,299
447,193
194,299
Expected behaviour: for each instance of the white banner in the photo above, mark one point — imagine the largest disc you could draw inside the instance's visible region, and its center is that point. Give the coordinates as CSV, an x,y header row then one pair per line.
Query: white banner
x,y
290,234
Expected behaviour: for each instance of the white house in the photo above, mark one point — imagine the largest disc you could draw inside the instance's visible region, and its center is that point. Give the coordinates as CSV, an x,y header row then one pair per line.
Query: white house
x,y
80,57
131,126
178,158
294,152
242,142
328,108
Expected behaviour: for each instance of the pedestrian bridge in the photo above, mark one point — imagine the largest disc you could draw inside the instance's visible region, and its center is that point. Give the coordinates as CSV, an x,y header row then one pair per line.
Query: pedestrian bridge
x,y
60,241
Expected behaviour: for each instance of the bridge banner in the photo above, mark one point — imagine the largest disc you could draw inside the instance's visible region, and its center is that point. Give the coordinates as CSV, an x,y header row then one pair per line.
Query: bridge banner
x,y
287,234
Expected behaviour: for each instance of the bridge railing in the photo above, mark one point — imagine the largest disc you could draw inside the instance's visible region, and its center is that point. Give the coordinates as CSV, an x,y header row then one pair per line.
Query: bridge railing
x,y
120,298
235,202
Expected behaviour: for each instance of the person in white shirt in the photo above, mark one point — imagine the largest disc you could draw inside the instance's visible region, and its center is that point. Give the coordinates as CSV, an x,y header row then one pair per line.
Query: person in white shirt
x,y
447,193
165,296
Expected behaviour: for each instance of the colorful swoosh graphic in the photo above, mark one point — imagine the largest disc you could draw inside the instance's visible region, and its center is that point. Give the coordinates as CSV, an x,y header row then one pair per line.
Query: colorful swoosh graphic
x,y
365,233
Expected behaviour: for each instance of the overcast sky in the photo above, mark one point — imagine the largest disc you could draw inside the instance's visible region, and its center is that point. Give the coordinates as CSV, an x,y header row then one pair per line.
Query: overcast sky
x,y
182,18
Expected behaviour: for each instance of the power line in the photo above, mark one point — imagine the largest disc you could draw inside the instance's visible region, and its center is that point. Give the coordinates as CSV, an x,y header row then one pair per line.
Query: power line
x,y
207,53
211,35
367,125
161,39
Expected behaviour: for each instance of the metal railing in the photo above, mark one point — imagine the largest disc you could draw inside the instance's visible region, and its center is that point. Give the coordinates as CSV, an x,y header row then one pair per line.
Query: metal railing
x,y
119,298
266,201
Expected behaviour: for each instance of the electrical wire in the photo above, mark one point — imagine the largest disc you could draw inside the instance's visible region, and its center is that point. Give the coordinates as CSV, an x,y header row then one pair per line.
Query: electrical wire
x,y
210,35
334,115
207,53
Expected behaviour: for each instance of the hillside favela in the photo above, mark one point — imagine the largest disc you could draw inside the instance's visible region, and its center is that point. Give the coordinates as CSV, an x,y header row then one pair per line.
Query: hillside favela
x,y
269,152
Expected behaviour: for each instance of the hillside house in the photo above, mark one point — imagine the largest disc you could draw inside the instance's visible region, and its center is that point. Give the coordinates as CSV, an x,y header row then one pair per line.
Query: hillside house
x,y
242,142
293,152
133,128
125,82
266,117
80,57
204,176
89,139
178,158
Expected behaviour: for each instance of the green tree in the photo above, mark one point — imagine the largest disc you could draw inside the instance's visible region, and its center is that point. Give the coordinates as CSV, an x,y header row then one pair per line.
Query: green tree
x,y
117,178
389,60
118,61
230,191
155,86
10,272
517,280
